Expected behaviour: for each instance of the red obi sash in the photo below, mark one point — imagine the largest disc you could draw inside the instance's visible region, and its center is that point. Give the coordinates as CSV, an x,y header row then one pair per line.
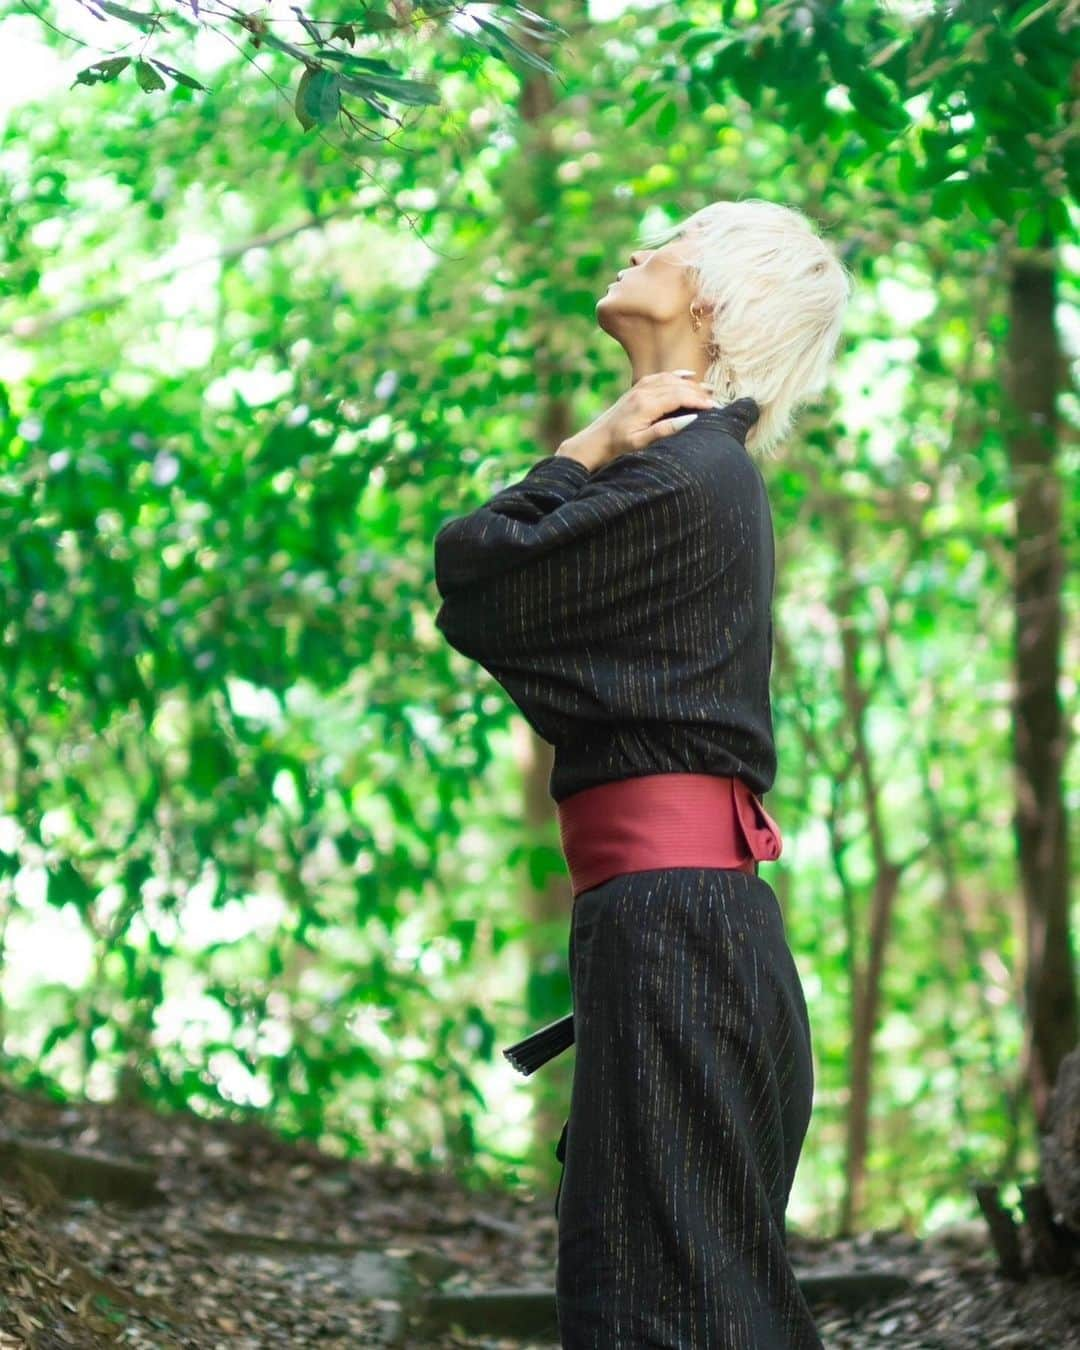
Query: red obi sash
x,y
637,824
664,820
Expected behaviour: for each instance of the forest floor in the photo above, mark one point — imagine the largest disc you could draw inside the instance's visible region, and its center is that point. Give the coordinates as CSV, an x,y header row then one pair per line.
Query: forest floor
x,y
253,1242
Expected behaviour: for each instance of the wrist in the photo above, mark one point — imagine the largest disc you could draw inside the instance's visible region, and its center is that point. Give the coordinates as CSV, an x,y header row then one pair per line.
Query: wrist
x,y
585,450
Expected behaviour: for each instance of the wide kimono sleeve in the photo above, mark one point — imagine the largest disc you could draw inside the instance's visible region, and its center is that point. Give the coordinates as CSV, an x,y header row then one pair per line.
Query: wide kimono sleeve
x,y
572,588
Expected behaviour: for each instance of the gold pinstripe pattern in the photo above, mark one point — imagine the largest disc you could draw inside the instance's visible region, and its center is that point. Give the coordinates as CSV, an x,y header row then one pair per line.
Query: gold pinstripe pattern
x,y
692,1093
627,612
628,615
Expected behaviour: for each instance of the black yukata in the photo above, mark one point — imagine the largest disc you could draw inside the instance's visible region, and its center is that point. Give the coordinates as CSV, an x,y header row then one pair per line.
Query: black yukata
x,y
628,614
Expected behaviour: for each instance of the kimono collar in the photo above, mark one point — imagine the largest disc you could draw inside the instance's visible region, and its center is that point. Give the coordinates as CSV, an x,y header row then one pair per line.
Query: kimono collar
x,y
738,417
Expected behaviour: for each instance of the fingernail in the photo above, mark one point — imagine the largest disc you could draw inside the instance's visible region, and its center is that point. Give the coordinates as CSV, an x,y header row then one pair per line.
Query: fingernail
x,y
681,422
682,372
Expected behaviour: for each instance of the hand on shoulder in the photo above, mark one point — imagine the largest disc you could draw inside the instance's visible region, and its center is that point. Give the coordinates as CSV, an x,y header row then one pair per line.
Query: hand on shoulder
x,y
638,418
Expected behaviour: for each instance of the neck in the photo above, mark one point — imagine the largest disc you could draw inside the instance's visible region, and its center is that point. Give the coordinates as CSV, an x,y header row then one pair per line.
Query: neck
x,y
654,350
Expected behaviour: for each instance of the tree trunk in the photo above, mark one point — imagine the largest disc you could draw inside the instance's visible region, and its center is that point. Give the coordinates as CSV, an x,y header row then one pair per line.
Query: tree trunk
x,y
866,972
554,900
1033,363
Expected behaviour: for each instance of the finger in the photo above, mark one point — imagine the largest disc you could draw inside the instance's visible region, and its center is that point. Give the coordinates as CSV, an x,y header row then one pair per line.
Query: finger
x,y
681,394
654,401
669,426
668,386
671,380
680,381
691,375
664,376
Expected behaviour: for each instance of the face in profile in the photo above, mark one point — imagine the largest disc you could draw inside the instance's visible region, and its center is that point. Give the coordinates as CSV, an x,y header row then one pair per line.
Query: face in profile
x,y
654,287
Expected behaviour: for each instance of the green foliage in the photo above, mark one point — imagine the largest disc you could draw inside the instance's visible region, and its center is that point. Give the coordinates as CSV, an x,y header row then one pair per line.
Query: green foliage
x,y
317,100
987,88
262,845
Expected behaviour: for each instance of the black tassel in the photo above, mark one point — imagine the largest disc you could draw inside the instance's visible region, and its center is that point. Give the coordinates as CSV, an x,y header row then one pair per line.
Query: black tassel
x,y
526,1056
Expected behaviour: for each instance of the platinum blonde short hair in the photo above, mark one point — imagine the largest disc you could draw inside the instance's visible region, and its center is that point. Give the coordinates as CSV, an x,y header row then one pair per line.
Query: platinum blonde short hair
x,y
779,293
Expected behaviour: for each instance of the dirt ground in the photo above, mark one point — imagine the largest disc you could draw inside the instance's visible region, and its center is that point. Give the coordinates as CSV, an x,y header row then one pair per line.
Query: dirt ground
x,y
259,1243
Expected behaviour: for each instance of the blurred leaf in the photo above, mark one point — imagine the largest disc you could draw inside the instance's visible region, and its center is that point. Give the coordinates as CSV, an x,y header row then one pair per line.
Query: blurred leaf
x,y
148,77
318,97
101,72
503,40
188,81
666,119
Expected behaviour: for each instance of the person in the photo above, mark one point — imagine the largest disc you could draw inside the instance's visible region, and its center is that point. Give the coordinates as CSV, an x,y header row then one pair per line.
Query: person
x,y
621,593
